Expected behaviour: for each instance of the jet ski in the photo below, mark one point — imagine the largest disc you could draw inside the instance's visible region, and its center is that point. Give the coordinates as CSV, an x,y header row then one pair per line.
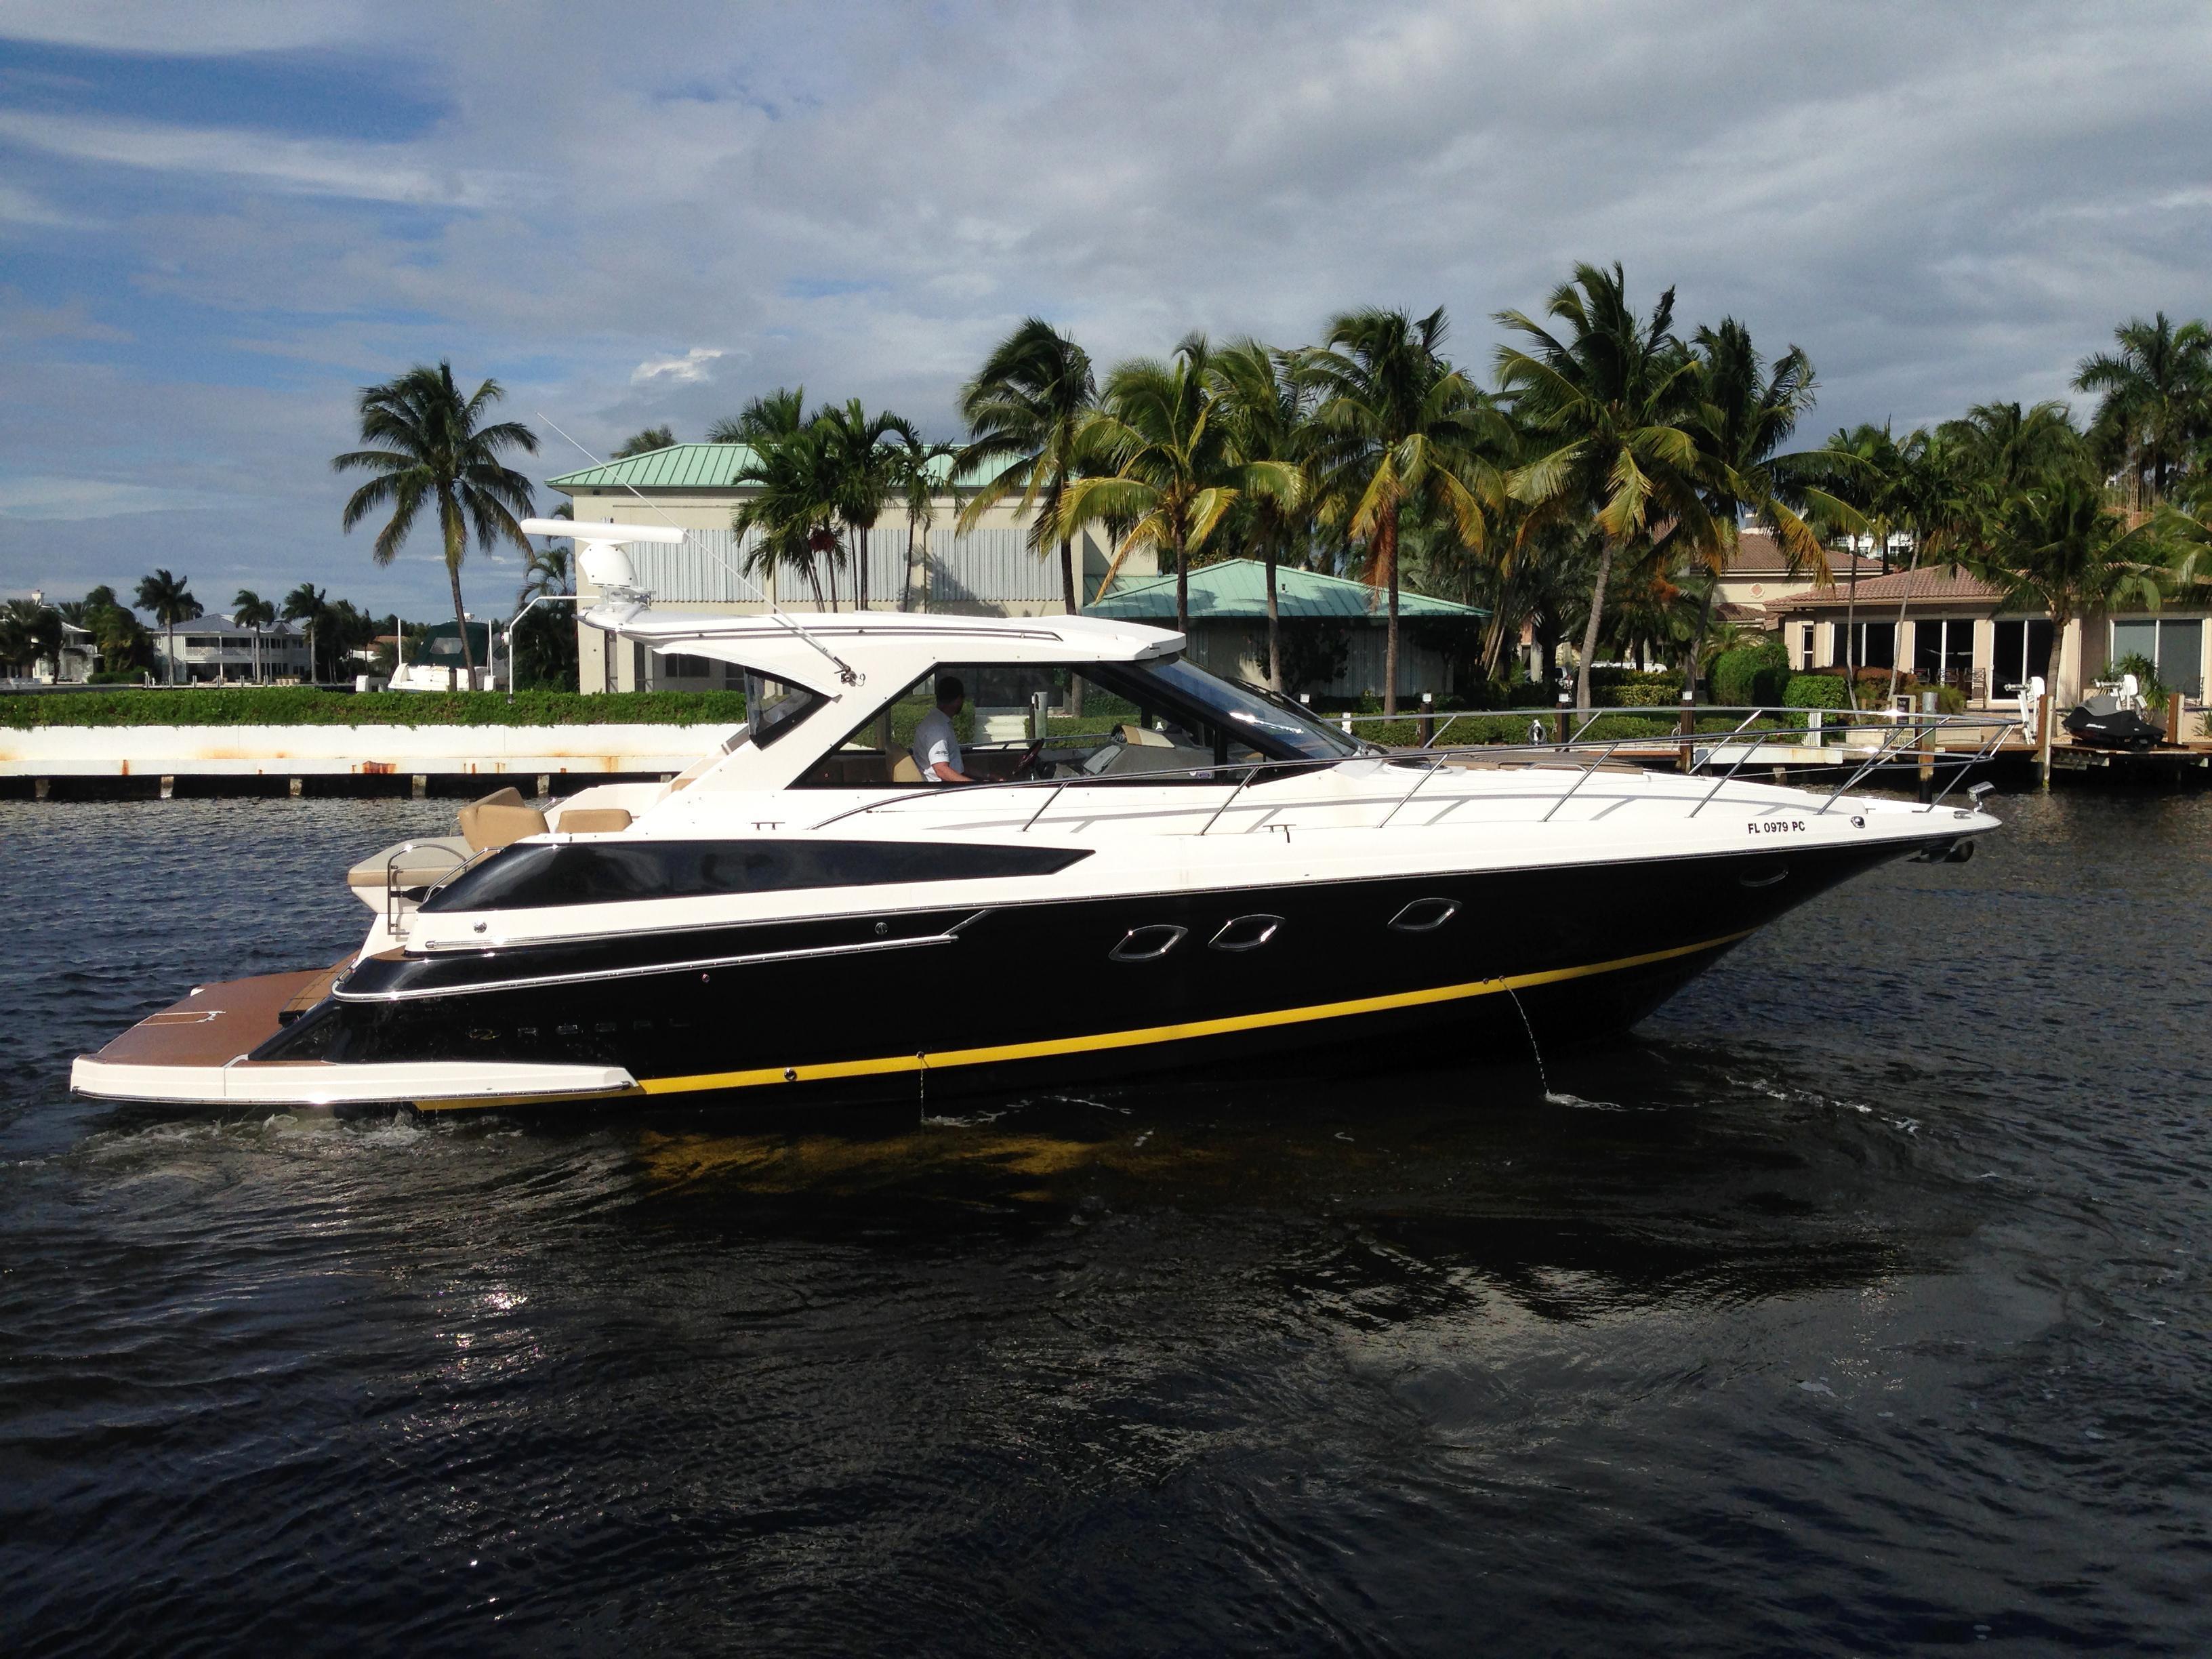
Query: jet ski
x,y
2112,718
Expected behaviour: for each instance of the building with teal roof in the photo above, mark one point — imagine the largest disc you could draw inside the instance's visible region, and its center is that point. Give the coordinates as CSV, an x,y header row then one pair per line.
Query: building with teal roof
x,y
919,563
1334,630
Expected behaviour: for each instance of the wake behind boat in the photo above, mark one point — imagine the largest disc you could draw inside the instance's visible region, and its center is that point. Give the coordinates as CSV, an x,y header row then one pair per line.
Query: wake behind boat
x,y
1216,875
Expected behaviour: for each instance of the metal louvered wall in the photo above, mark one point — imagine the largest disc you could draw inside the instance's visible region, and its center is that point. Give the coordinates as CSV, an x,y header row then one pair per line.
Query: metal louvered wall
x,y
982,566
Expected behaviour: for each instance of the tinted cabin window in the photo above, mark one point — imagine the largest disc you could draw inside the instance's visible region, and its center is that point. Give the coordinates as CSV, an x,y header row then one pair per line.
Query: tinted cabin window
x,y
525,877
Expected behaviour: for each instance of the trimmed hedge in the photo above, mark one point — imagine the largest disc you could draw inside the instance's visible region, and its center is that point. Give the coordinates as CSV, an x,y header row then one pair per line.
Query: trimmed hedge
x,y
1816,691
284,705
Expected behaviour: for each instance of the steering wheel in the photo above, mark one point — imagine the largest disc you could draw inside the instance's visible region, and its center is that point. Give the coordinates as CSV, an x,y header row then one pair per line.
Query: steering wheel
x,y
1027,766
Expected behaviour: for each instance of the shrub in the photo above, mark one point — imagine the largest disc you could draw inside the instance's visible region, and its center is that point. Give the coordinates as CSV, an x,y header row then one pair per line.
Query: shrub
x,y
1815,691
1751,674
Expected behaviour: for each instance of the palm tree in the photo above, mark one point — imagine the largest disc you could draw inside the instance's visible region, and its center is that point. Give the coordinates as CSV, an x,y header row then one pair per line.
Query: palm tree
x,y
1747,410
1867,489
1616,395
547,572
1023,409
778,414
2157,399
918,475
433,451
645,442
1398,429
796,500
29,631
1934,494
2059,548
1154,457
250,609
116,635
1264,399
15,633
2013,449
311,604
171,602
862,468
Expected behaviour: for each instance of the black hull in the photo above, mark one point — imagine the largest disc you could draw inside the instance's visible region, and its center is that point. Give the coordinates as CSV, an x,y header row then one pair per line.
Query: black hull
x,y
1021,997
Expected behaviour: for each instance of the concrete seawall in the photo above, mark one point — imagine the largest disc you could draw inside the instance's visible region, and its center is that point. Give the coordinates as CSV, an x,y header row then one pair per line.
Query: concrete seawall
x,y
81,761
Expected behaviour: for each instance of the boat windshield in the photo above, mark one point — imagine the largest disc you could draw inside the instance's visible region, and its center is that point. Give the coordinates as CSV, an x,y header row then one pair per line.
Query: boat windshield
x,y
1272,723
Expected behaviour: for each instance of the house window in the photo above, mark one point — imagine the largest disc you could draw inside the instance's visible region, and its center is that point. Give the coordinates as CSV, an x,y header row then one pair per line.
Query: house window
x,y
1943,650
2021,651
1877,642
2176,650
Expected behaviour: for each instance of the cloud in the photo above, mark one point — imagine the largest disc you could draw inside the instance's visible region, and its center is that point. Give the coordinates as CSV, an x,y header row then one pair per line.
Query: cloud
x,y
205,27
19,206
68,498
689,369
308,166
21,323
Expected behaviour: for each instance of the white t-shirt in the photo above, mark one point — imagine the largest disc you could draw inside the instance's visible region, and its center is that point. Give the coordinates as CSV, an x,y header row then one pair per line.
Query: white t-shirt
x,y
935,744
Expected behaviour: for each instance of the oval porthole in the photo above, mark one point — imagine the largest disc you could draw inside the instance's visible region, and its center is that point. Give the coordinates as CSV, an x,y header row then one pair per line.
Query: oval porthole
x,y
1147,944
1425,915
1245,934
1764,877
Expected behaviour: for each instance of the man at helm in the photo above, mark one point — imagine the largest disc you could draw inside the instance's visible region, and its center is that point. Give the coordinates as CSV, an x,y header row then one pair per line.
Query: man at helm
x,y
936,744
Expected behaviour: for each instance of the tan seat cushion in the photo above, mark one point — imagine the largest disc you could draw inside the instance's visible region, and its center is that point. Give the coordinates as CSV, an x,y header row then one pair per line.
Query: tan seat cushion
x,y
903,770
499,819
414,863
1142,738
593,820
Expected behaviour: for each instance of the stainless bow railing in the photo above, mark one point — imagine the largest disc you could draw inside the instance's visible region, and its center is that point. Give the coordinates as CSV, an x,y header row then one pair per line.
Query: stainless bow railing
x,y
1722,743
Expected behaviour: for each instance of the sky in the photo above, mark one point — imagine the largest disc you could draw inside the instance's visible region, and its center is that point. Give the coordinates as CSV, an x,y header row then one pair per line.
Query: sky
x,y
218,220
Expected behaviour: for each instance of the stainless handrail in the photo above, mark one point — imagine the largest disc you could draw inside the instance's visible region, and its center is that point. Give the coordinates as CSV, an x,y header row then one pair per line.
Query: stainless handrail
x,y
1915,737
392,914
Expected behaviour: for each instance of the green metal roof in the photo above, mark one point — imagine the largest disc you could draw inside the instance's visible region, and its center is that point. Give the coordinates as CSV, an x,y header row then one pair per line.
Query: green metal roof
x,y
697,466
680,466
1237,589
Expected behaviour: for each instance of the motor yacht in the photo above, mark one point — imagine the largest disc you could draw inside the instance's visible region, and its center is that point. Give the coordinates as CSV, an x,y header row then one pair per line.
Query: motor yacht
x,y
1197,872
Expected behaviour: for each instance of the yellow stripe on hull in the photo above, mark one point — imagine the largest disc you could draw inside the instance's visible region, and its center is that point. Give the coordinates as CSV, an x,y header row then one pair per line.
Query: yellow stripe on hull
x,y
1142,1036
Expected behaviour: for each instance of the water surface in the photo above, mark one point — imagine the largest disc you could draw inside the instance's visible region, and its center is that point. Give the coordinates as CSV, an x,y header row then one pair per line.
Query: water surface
x,y
1857,1306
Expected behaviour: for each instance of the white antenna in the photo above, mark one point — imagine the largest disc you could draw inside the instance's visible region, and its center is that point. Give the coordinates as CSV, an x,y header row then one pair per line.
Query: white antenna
x,y
627,589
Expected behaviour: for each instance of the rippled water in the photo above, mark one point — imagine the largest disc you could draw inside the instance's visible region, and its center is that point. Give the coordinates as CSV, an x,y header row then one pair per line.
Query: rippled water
x,y
1861,1307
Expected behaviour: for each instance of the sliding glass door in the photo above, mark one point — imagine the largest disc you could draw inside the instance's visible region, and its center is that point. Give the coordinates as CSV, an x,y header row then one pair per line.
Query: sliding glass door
x,y
2022,649
1943,650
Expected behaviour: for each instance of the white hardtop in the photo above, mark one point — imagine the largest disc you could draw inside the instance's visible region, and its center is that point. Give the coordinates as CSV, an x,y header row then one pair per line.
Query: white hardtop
x,y
811,649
